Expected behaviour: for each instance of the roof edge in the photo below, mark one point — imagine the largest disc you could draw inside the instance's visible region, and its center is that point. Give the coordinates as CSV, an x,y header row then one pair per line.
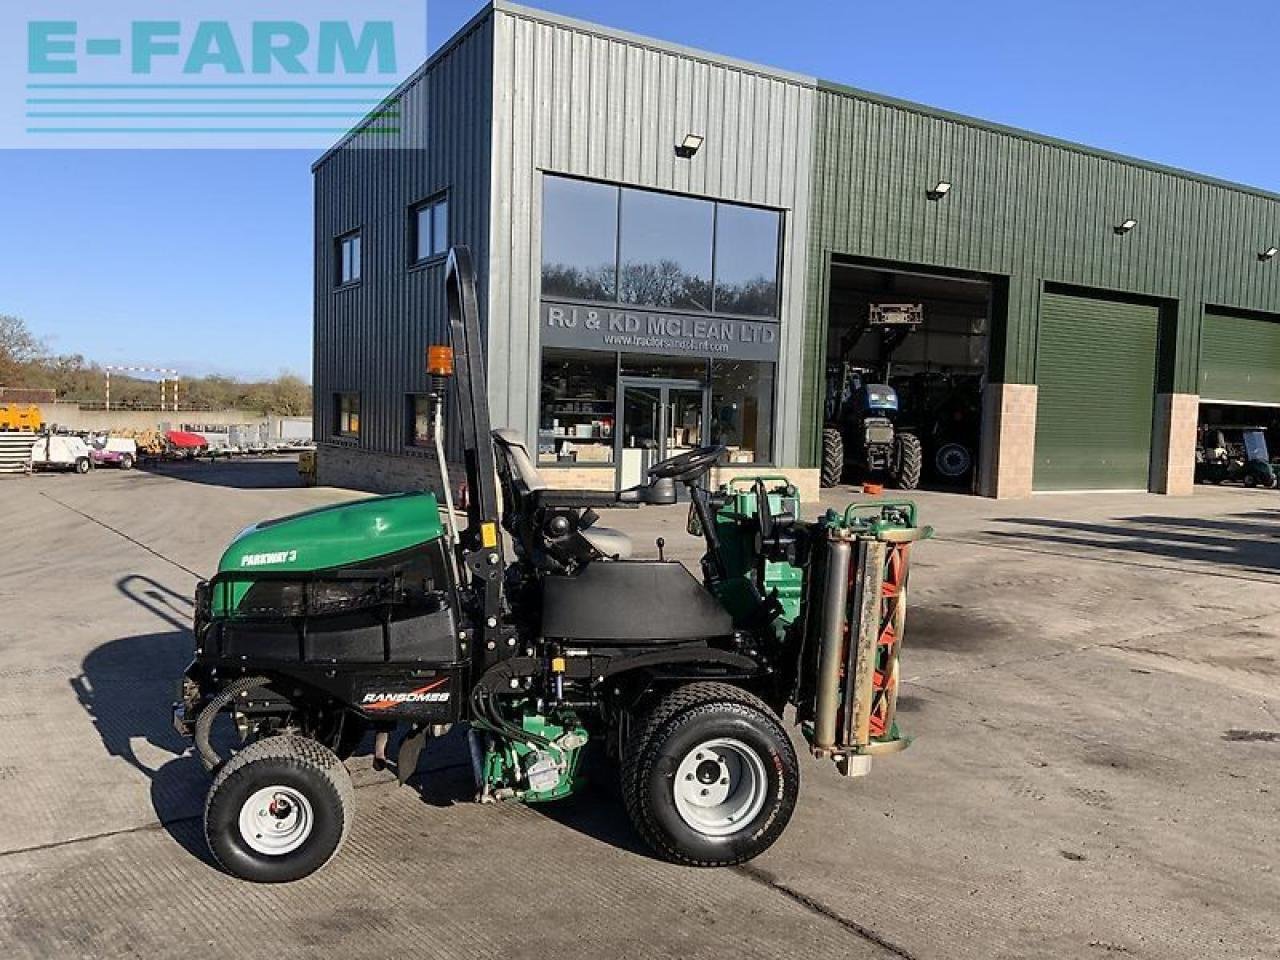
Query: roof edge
x,y
640,40
841,89
440,53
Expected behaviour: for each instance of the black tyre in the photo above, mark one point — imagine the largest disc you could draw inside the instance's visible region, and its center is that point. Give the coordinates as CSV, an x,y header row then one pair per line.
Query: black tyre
x,y
908,461
953,461
278,810
126,462
710,777
832,457
83,465
1250,480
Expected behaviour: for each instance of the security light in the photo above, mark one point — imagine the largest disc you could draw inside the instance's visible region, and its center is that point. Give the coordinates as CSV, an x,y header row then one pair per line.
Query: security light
x,y
688,146
941,190
1268,254
1126,227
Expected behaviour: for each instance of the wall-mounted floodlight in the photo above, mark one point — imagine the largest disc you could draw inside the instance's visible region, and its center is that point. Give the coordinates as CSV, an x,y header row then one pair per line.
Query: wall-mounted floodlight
x,y
1125,227
1268,254
942,188
687,147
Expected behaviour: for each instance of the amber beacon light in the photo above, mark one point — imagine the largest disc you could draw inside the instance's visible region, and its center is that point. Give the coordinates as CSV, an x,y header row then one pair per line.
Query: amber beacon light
x,y
440,361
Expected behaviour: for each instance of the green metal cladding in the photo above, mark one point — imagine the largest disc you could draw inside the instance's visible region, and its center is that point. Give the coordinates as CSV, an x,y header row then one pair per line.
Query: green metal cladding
x,y
1032,210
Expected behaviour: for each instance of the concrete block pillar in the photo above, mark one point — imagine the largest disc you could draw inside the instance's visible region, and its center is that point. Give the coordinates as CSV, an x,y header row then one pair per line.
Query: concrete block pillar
x,y
1173,443
1008,440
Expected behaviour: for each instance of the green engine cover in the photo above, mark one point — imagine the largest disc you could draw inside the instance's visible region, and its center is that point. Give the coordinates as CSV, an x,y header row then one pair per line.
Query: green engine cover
x,y
339,535
336,535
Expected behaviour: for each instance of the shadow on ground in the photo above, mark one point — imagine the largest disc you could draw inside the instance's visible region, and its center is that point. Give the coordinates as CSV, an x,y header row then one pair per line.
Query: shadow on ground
x,y
1244,541
127,686
240,474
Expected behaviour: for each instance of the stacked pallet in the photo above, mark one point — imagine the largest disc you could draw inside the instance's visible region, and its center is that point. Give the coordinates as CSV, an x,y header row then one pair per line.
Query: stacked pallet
x,y
15,451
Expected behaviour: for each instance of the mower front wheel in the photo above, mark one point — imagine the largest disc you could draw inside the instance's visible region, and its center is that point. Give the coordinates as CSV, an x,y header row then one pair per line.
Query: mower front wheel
x,y
711,778
278,810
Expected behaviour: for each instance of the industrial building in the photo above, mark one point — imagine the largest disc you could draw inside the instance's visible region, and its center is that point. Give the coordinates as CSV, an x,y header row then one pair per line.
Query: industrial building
x,y
674,245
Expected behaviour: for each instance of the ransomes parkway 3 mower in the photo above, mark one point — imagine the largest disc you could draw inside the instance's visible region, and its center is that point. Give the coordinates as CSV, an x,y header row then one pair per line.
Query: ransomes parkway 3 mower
x,y
569,660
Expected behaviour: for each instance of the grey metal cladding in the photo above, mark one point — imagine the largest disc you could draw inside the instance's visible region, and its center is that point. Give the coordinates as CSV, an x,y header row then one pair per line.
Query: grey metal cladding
x,y
581,101
371,337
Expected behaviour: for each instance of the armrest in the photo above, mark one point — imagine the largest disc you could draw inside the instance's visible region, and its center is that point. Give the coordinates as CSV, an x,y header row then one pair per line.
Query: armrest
x,y
604,499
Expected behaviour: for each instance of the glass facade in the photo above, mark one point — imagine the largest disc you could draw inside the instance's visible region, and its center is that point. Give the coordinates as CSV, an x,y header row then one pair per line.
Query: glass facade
x,y
577,407
579,239
742,409
655,264
665,250
611,244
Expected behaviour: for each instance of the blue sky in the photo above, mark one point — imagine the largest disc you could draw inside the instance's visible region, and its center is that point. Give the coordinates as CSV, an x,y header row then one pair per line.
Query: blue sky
x,y
202,259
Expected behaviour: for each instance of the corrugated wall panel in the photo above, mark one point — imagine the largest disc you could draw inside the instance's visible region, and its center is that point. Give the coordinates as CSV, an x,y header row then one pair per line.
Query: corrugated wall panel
x,y
1240,361
371,338
1028,209
616,107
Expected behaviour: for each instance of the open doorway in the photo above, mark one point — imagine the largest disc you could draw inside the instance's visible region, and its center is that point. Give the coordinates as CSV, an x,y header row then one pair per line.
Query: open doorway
x,y
924,336
1238,444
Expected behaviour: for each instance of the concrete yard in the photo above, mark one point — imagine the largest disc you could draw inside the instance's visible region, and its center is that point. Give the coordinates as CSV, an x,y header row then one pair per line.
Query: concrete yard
x,y
1093,682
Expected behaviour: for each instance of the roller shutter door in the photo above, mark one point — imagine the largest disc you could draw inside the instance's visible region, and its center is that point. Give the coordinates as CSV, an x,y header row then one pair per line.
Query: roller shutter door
x,y
1240,359
1096,373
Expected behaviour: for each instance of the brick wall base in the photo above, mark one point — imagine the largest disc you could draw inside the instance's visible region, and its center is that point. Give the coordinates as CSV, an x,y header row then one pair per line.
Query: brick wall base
x,y
356,469
1008,440
1173,444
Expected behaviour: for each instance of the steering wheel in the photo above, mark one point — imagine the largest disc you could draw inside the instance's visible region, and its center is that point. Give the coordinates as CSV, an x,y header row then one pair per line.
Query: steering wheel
x,y
688,465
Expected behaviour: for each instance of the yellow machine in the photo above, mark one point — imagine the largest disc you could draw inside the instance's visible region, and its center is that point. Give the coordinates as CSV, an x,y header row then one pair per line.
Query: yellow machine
x,y
20,419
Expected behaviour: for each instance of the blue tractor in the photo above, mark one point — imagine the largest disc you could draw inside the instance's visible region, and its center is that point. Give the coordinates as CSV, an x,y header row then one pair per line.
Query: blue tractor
x,y
862,435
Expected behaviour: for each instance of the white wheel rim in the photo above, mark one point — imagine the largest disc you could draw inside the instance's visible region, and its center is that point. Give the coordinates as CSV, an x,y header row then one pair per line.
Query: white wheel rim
x,y
276,820
720,787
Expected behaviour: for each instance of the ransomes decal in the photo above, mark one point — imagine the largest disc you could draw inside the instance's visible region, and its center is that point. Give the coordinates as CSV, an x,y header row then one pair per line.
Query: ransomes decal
x,y
386,700
262,559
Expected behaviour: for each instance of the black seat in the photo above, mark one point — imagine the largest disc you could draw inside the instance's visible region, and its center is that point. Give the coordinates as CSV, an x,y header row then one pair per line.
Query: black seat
x,y
526,494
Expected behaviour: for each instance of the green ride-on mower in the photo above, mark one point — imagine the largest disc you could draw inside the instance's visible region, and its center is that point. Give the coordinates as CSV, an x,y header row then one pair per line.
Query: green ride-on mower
x,y
381,613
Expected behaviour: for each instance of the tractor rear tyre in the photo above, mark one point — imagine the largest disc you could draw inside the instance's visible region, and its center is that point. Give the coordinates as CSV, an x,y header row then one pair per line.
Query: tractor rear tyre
x,y
710,778
832,457
278,810
908,461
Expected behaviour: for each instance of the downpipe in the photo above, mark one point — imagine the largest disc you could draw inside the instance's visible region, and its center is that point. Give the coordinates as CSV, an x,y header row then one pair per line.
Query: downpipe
x,y
831,652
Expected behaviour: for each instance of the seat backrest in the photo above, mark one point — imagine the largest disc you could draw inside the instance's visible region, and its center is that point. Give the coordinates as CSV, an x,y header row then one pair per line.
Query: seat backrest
x,y
512,448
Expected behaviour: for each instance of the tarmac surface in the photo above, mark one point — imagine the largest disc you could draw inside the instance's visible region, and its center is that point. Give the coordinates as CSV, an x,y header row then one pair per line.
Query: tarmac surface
x,y
1093,682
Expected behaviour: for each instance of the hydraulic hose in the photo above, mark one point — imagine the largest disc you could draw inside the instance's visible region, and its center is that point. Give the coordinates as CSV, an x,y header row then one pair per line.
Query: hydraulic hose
x,y
204,723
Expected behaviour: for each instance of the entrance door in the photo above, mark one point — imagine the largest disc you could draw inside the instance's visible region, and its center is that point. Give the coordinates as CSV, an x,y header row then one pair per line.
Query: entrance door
x,y
660,418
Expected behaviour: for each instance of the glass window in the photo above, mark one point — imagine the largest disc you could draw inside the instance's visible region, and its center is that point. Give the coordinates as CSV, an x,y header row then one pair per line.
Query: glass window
x,y
575,419
666,244
419,420
431,229
348,256
347,414
746,261
579,239
742,409
670,368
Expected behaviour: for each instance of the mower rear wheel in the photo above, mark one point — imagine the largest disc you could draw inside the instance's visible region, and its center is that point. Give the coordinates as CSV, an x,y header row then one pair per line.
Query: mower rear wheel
x,y
832,457
710,777
278,810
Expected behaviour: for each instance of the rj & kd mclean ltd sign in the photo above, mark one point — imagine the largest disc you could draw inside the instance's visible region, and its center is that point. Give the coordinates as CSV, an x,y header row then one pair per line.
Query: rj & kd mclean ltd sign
x,y
640,331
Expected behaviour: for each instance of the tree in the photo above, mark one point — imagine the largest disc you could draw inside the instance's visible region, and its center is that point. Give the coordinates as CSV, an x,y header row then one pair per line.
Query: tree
x,y
18,348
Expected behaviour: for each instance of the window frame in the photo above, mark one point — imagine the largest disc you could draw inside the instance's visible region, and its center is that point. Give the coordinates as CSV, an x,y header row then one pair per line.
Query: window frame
x,y
338,432
411,422
717,203
339,243
429,206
